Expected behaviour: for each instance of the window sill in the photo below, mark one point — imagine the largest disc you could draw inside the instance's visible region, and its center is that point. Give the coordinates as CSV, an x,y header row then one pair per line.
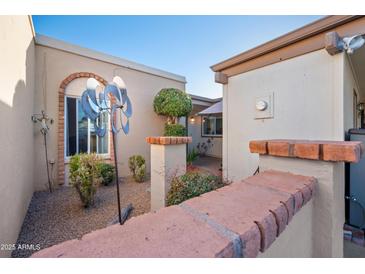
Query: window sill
x,y
212,136
104,157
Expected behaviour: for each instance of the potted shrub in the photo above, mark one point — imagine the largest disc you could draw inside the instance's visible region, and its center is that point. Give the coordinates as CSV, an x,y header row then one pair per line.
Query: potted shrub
x,y
85,176
173,103
137,166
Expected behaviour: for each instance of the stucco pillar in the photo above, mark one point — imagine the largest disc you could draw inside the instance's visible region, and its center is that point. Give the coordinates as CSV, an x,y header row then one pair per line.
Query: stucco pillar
x,y
168,159
325,162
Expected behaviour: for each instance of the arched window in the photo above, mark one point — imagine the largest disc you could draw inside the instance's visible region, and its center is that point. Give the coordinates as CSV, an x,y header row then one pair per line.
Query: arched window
x,y
80,136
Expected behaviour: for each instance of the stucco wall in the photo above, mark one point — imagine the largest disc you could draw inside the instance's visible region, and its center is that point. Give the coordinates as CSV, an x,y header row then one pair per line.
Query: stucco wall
x,y
54,65
289,244
16,128
195,133
350,86
322,220
308,104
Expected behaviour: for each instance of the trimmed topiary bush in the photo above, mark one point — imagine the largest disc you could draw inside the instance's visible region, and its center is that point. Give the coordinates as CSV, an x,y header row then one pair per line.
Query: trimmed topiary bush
x,y
174,130
137,166
85,176
107,172
173,103
190,185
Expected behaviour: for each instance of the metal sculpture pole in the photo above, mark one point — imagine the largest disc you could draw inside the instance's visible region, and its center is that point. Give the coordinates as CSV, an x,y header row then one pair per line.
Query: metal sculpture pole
x,y
46,151
94,107
117,178
44,119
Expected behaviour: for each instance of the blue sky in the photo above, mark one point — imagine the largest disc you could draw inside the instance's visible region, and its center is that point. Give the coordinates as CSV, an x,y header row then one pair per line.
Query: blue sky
x,y
185,45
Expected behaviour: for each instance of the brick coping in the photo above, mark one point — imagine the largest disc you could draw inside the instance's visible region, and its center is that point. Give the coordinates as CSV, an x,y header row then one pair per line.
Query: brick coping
x,y
333,151
169,140
238,220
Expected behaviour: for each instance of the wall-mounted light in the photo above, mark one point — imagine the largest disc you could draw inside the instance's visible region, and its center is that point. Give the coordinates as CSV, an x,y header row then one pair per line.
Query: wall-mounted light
x,y
360,106
192,120
350,44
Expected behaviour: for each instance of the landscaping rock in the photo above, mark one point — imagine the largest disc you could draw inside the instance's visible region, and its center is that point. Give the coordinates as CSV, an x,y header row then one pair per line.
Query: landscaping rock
x,y
59,216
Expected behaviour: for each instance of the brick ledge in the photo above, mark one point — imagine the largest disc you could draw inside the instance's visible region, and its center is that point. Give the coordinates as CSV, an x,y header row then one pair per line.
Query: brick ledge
x,y
334,151
169,140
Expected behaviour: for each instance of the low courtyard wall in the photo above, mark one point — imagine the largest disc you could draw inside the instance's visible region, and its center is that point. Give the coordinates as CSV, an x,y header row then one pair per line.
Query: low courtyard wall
x,y
284,211
238,220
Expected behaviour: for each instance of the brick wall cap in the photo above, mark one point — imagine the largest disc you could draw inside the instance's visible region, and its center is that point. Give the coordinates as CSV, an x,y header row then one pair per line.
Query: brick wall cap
x,y
332,151
169,140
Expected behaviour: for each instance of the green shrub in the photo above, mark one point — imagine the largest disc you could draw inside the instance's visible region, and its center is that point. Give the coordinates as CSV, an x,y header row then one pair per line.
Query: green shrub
x,y
192,156
107,173
174,130
172,103
85,176
190,185
140,173
137,166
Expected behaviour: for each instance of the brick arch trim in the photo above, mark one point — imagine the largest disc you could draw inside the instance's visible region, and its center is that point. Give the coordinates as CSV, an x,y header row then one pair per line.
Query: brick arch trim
x,y
61,120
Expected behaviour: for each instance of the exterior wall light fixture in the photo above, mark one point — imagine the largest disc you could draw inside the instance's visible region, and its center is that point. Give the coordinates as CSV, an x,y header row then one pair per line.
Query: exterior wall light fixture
x,y
350,44
360,108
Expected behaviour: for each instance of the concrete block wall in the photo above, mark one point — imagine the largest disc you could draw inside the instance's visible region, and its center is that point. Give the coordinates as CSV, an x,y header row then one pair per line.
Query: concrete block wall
x,y
239,220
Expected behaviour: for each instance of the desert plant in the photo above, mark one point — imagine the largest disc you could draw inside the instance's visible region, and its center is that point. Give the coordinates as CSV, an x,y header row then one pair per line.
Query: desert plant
x,y
85,176
172,103
190,185
140,173
107,173
192,156
174,130
137,166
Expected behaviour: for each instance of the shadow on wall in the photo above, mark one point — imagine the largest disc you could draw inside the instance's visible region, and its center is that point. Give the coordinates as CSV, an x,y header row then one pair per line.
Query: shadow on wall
x,y
16,147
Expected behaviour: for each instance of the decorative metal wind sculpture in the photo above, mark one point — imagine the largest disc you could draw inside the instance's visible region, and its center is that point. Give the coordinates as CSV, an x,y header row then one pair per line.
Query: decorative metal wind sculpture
x,y
114,101
43,119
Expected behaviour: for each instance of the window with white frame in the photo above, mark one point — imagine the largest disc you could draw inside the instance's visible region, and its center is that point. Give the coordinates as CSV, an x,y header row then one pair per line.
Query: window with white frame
x,y
80,136
212,126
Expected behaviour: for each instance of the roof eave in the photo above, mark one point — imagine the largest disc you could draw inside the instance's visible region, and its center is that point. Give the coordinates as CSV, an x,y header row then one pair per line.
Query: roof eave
x,y
46,41
307,31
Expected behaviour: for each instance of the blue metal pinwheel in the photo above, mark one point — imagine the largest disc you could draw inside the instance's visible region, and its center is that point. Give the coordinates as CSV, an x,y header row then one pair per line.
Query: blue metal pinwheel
x,y
115,101
120,106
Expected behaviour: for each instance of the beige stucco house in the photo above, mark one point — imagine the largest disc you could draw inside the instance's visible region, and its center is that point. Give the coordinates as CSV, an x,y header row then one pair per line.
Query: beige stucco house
x,y
302,85
309,86
205,126
41,73
61,73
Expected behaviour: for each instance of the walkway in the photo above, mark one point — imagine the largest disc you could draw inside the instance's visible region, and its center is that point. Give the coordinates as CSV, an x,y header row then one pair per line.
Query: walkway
x,y
211,164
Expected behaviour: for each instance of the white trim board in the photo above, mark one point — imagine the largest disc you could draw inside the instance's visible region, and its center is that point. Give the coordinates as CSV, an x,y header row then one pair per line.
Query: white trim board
x,y
46,41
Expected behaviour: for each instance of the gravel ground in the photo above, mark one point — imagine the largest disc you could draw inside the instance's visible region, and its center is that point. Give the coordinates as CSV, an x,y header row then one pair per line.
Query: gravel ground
x,y
59,216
